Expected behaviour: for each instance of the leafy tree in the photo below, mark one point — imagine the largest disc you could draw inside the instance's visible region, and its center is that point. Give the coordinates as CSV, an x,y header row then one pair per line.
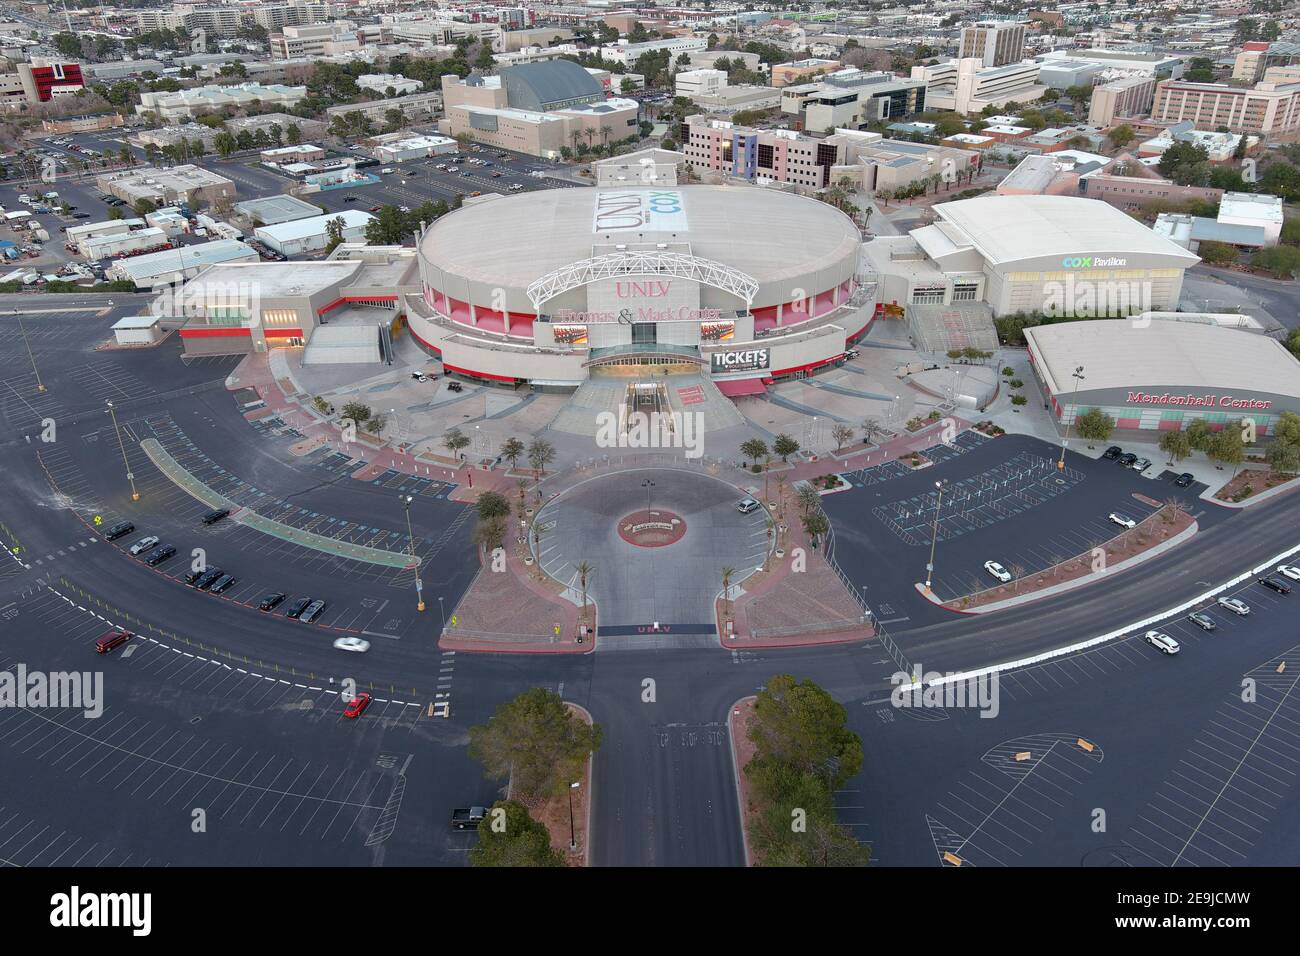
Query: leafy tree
x,y
753,449
143,206
1199,435
536,743
454,440
1217,252
512,449
1227,447
540,454
1094,425
492,504
815,525
1121,135
785,446
1280,260
1176,445
334,233
359,412
841,433
522,841
1283,457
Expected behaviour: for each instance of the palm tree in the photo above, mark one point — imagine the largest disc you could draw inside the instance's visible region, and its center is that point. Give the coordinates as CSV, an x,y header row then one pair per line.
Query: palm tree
x,y
726,590
585,569
771,530
809,500
589,134
605,131
780,490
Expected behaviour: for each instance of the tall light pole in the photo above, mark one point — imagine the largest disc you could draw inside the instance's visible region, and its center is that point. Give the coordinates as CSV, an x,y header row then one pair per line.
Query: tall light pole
x,y
647,485
934,533
135,495
1065,440
573,839
415,563
40,386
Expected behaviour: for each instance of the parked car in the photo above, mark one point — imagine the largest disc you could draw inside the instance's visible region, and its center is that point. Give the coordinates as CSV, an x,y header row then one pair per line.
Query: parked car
x,y
144,544
270,601
1235,605
1142,464
998,571
126,527
1127,459
222,583
1202,620
1162,642
747,506
297,607
1275,584
1184,480
112,639
1290,570
1121,520
357,706
468,818
311,611
455,387
159,555
1113,452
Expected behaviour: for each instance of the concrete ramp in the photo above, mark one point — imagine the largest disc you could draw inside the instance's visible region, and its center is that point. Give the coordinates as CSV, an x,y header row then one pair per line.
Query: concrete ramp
x,y
343,345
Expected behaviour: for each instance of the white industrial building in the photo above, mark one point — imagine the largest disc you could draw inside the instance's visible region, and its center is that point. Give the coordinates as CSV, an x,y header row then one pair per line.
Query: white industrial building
x,y
138,330
184,262
414,147
311,235
1051,254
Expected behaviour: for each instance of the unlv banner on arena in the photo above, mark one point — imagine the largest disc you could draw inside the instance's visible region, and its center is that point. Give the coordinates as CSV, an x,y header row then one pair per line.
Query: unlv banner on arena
x,y
638,210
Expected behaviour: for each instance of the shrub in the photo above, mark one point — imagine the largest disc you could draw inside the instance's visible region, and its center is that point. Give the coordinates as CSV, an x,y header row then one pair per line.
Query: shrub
x,y
1018,400
1008,371
1017,383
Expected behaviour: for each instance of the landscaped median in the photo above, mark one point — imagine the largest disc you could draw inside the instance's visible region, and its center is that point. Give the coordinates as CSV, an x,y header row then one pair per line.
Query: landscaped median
x,y
791,750
1165,529
184,480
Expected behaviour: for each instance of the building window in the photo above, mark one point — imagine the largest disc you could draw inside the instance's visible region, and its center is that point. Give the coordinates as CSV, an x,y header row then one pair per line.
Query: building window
x,y
964,291
931,296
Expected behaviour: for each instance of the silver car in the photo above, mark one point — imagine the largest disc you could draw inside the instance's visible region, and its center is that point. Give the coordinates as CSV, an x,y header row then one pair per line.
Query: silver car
x,y
144,544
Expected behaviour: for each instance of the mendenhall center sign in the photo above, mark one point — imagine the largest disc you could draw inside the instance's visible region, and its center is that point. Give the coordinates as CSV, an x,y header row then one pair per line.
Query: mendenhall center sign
x,y
1196,401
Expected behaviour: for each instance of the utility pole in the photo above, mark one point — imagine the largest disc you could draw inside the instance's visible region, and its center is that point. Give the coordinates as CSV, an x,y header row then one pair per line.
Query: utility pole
x,y
415,562
934,533
135,495
1065,440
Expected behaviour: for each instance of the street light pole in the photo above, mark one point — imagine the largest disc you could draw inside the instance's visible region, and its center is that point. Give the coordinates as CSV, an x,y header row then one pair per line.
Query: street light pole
x,y
573,839
1065,440
40,386
934,533
415,563
647,485
443,611
135,495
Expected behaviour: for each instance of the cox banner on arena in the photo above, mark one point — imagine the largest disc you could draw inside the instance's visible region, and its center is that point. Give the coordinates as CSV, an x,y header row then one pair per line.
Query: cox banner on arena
x,y
638,210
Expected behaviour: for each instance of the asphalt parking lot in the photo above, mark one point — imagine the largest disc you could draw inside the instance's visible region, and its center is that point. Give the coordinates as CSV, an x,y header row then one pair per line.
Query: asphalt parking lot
x,y
1184,771
200,762
1004,500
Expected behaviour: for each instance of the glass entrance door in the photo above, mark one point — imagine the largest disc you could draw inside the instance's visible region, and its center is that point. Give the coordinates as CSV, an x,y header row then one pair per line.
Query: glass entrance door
x,y
644,333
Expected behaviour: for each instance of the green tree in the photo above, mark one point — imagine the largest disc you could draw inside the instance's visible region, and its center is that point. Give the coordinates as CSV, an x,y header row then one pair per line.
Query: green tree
x,y
536,743
521,841
1176,445
143,206
1199,435
454,440
540,454
1094,425
785,446
1283,457
224,143
492,504
1227,447
334,233
359,412
753,449
512,449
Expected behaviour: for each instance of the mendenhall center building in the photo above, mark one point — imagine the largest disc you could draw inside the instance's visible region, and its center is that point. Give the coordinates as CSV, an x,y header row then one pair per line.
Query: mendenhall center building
x,y
1161,374
741,286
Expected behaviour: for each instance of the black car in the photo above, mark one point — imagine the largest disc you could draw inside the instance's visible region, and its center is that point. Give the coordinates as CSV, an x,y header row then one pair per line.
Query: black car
x,y
455,387
1202,620
1277,584
270,601
206,579
297,607
192,577
81,215
1113,452
159,555
119,529
1127,459
221,583
212,517
1185,479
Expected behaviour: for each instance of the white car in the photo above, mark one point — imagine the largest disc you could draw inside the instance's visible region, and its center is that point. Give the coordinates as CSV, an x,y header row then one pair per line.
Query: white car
x,y
354,644
1235,605
998,571
1120,520
1290,570
144,544
515,187
1142,464
1162,642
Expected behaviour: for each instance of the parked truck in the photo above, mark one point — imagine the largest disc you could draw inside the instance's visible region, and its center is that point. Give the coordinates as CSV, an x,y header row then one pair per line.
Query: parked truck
x,y
468,818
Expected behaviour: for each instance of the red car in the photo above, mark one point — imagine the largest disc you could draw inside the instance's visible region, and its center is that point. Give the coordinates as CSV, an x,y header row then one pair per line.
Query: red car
x,y
358,706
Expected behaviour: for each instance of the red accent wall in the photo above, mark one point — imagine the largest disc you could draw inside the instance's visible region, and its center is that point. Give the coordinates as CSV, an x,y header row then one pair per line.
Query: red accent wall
x,y
283,333
44,78
216,333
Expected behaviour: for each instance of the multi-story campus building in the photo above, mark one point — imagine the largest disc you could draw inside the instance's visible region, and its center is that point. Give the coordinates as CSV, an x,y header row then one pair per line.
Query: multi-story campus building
x,y
1268,108
852,98
967,86
994,42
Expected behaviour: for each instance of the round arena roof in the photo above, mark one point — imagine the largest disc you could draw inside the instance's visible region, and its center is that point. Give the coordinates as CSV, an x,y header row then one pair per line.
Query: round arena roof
x,y
777,238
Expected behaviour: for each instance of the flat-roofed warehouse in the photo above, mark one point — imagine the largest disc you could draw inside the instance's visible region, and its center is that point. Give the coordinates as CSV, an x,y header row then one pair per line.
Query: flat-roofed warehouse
x,y
1162,375
1062,255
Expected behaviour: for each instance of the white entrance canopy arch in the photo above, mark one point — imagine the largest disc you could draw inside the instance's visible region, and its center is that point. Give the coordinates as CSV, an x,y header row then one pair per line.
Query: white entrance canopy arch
x,y
618,264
